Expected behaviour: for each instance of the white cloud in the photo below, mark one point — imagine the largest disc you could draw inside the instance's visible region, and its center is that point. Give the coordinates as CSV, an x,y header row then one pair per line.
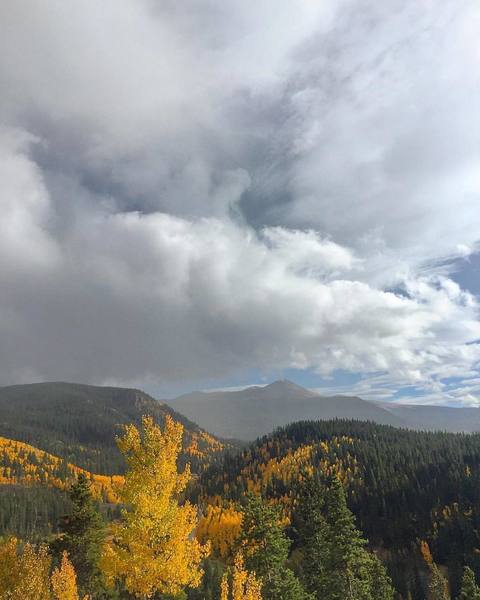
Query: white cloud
x,y
192,190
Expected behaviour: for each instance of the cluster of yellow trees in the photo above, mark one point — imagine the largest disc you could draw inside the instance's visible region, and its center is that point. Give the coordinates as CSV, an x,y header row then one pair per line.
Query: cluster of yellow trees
x,y
26,574
151,550
272,464
239,584
46,469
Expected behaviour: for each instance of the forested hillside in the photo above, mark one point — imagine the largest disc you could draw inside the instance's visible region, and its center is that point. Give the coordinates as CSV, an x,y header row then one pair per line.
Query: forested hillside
x,y
156,547
79,423
415,495
54,431
402,486
34,486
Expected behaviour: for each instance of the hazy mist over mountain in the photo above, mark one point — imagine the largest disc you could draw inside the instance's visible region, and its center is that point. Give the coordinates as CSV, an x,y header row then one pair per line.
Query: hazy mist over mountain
x,y
255,411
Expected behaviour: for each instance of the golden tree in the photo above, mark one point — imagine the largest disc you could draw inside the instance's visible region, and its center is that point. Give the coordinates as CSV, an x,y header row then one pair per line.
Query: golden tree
x,y
245,585
64,581
24,572
221,526
152,550
8,566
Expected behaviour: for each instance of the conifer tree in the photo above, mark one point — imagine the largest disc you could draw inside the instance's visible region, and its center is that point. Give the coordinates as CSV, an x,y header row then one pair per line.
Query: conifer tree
x,y
152,550
210,586
336,564
266,551
469,589
82,536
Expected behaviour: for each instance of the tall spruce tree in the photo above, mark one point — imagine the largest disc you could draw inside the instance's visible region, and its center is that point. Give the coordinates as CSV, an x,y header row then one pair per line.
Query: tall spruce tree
x,y
335,564
266,550
469,589
82,533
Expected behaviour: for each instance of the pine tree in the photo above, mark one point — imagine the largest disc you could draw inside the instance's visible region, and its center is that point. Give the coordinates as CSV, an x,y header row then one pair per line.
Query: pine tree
x,y
82,536
152,551
336,564
469,589
266,550
211,580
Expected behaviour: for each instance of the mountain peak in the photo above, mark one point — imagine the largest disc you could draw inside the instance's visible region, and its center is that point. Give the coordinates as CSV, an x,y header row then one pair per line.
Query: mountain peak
x,y
285,384
286,387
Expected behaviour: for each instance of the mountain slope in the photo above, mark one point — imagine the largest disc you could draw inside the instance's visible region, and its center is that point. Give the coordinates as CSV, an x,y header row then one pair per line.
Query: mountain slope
x,y
403,486
25,465
437,418
255,411
79,422
33,486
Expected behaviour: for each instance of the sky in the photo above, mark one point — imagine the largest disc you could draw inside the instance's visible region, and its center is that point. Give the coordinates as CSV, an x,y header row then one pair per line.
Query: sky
x,y
211,193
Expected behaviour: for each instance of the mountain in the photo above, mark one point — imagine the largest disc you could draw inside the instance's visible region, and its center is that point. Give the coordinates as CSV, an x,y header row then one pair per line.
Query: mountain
x,y
255,411
436,418
78,423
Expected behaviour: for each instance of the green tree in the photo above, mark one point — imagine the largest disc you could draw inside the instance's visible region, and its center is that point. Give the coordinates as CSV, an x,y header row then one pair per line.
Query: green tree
x,y
266,550
210,587
82,536
469,589
335,565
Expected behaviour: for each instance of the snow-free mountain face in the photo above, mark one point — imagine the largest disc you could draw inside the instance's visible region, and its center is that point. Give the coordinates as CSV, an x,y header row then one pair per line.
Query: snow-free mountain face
x,y
255,411
437,418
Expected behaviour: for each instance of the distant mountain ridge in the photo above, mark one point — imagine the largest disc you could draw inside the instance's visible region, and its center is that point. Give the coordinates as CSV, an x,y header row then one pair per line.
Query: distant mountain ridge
x,y
464,419
256,411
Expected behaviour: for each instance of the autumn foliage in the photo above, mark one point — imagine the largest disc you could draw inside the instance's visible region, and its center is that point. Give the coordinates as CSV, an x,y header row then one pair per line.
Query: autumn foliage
x,y
221,526
64,581
25,574
152,550
240,585
21,463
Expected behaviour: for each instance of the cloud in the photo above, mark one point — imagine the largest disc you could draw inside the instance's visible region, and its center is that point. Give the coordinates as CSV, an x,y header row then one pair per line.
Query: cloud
x,y
190,191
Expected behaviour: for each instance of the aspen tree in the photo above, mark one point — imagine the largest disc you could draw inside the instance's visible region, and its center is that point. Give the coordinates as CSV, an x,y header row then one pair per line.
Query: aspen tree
x,y
152,550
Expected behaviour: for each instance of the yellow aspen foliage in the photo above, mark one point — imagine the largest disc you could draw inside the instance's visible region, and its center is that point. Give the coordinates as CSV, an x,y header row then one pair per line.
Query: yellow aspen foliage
x,y
152,550
64,581
222,527
8,566
244,585
224,588
41,468
24,572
